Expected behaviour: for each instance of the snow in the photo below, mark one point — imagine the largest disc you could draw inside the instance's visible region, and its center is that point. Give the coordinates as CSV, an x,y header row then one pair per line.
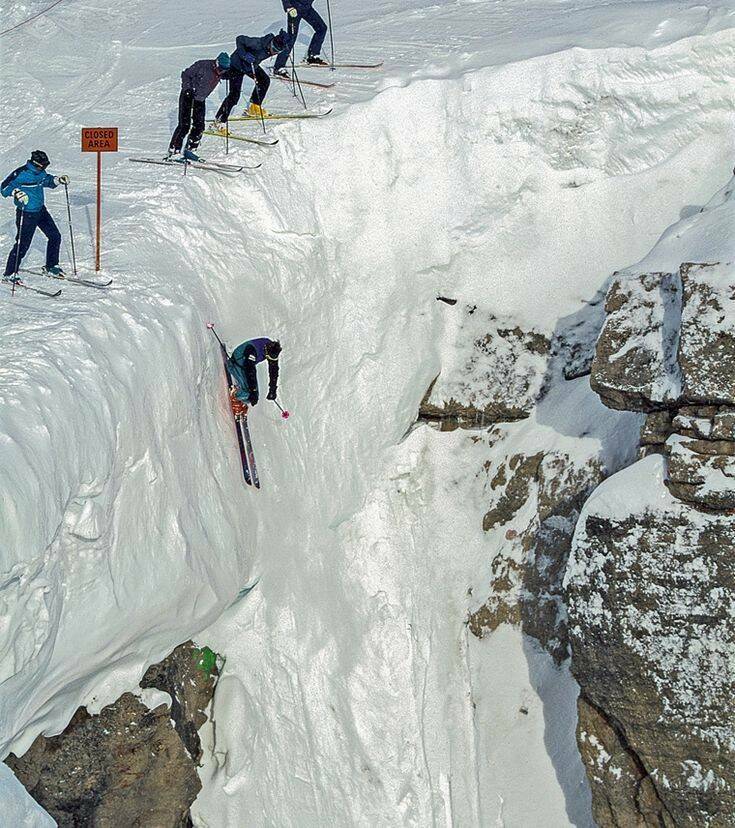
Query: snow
x,y
19,810
513,154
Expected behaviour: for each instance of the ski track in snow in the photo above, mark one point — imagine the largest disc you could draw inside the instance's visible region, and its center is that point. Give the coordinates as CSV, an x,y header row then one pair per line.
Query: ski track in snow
x,y
514,154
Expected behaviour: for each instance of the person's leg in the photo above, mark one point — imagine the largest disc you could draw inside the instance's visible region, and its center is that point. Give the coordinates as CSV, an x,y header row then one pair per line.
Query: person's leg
x,y
186,100
238,375
49,229
262,82
23,238
313,18
233,96
195,136
293,32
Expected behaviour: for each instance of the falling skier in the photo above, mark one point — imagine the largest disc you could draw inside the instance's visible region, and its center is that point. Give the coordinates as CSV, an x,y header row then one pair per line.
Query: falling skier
x,y
298,10
197,83
246,60
26,185
243,367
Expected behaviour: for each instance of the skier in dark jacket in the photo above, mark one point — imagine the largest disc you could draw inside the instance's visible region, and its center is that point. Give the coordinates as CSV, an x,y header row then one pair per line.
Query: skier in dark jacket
x,y
246,60
197,84
243,367
298,10
26,185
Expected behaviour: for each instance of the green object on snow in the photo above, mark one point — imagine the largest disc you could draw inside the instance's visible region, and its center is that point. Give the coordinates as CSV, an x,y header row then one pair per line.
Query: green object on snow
x,y
206,661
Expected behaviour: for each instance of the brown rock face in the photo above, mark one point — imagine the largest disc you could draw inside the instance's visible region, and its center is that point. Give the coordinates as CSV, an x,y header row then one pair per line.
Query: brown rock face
x,y
651,598
126,766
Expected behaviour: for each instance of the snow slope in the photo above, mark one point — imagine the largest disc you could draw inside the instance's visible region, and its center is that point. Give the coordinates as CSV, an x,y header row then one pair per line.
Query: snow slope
x,y
514,154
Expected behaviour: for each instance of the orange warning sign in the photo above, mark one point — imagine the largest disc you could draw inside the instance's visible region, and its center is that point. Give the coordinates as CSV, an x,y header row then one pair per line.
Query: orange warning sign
x,y
99,139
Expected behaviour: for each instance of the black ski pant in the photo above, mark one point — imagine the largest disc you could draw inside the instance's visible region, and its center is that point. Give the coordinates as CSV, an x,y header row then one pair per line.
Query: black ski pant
x,y
191,122
262,82
313,18
24,235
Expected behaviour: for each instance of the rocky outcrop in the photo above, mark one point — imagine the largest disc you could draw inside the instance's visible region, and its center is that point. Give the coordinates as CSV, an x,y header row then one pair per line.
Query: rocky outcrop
x,y
127,765
651,597
650,585
500,380
542,495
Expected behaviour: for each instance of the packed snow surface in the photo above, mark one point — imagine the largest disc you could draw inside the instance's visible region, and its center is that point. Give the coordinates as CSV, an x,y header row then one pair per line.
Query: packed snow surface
x,y
510,154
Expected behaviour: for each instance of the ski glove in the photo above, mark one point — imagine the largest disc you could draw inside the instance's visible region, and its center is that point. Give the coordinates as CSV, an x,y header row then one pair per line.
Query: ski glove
x,y
20,197
272,394
253,399
292,12
62,179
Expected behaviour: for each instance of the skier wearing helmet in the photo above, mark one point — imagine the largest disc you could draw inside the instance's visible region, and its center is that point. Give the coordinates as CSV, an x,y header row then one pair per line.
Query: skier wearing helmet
x,y
197,84
243,367
26,186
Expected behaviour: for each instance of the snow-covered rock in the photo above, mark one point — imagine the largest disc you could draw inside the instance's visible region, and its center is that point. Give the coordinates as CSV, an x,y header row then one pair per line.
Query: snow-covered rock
x,y
651,595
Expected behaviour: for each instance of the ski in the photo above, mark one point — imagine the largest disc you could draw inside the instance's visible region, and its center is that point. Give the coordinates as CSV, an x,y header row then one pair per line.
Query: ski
x,y
24,286
281,116
315,84
73,279
214,166
341,65
270,143
251,456
237,418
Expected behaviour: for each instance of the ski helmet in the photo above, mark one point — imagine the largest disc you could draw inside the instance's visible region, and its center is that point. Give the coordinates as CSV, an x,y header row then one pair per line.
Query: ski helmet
x,y
40,159
278,44
273,349
223,61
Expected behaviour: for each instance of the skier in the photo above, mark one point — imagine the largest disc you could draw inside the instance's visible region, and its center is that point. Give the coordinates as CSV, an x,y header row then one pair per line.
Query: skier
x,y
250,52
26,186
197,83
243,367
298,10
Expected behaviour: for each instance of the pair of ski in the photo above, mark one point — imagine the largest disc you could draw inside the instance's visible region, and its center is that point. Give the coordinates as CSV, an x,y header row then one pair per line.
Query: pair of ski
x,y
75,280
263,142
242,430
213,166
316,84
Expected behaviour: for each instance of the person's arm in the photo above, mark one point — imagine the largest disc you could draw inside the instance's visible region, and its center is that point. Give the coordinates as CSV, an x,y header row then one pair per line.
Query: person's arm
x,y
246,48
8,187
272,379
251,372
50,181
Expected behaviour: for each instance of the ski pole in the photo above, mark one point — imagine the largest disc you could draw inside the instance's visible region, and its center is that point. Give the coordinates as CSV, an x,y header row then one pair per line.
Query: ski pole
x,y
260,97
294,77
285,414
17,249
298,83
71,230
227,122
210,326
331,36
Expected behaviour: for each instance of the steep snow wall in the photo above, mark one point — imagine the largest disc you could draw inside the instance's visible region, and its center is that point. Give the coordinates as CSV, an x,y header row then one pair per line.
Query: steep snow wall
x,y
128,529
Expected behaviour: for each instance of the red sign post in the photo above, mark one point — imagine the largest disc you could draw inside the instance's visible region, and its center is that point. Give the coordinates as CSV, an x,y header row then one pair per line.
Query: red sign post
x,y
99,140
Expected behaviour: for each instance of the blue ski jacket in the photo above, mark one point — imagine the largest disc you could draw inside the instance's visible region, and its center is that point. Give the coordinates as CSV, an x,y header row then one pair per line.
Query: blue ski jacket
x,y
31,180
250,51
243,366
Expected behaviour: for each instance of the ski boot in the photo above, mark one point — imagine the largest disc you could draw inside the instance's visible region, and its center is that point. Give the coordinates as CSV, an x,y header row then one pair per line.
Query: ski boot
x,y
173,155
239,408
54,272
316,60
12,278
219,126
257,111
190,155
281,73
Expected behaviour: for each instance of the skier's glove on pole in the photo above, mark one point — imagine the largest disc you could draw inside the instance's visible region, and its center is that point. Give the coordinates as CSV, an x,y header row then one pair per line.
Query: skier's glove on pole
x,y
62,179
292,12
20,197
272,394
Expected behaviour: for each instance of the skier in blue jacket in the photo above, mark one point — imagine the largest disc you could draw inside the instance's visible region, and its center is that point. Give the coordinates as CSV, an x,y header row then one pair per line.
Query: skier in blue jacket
x,y
26,185
243,367
249,53
298,10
